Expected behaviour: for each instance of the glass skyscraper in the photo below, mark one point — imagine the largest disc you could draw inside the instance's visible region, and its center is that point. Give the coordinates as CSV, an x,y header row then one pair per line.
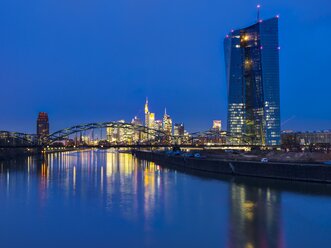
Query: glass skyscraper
x,y
252,69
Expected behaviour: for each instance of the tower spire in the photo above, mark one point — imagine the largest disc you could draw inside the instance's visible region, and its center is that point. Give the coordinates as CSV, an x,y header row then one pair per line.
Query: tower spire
x,y
146,106
258,12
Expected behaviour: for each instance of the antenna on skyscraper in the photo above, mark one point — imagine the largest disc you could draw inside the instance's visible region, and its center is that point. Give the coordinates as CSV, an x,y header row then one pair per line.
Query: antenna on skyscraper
x,y
258,12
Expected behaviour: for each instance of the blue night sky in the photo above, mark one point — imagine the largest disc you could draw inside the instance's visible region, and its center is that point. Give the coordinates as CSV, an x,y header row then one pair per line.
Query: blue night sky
x,y
96,60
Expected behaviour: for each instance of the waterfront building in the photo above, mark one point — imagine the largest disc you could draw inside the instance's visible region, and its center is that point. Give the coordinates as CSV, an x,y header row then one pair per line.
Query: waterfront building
x,y
110,134
85,140
252,69
167,123
42,125
122,134
292,139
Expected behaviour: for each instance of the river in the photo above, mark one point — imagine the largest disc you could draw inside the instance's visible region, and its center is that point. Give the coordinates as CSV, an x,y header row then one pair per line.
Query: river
x,y
102,198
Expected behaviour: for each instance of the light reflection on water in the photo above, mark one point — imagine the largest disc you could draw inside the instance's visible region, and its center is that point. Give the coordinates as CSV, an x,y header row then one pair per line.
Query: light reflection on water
x,y
107,199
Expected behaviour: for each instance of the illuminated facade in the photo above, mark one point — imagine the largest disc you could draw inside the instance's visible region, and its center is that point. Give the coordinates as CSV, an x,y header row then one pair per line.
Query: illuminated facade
x,y
121,134
306,138
149,117
179,132
167,123
217,125
110,134
252,68
146,113
42,125
179,129
137,135
158,125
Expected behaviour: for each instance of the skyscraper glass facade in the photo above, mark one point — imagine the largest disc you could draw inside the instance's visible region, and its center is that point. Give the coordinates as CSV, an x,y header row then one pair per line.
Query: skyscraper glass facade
x,y
252,69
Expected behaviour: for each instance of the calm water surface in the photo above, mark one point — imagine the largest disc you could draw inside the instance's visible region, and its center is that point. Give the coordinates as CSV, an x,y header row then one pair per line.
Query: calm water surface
x,y
108,199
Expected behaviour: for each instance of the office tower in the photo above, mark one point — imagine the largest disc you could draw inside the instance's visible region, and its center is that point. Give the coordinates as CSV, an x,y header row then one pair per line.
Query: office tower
x,y
217,125
110,134
146,113
151,121
136,121
149,117
167,123
158,125
252,68
137,135
179,129
42,125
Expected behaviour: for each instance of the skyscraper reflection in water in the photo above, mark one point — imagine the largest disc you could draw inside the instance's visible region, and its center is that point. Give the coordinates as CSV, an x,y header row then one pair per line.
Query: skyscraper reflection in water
x,y
98,198
255,217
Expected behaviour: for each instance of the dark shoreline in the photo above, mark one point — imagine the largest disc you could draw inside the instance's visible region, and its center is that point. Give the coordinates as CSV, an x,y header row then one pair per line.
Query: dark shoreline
x,y
317,173
14,153
9,154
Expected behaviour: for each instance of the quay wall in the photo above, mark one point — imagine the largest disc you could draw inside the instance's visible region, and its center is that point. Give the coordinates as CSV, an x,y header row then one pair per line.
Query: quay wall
x,y
286,171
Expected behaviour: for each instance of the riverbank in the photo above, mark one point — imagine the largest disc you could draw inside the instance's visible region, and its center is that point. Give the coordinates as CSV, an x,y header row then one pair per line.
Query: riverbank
x,y
276,170
13,153
8,154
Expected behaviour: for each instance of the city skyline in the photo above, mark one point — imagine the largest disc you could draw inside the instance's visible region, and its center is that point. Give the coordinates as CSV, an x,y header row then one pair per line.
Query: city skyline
x,y
107,83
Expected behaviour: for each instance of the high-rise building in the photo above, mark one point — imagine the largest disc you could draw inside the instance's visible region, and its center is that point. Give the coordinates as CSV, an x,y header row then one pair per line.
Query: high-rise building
x,y
137,134
167,123
179,129
146,113
158,125
110,134
217,125
252,68
136,121
179,132
42,125
149,116
149,121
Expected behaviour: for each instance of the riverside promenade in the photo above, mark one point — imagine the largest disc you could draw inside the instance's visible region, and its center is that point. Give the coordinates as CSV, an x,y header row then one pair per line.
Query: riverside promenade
x,y
319,173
